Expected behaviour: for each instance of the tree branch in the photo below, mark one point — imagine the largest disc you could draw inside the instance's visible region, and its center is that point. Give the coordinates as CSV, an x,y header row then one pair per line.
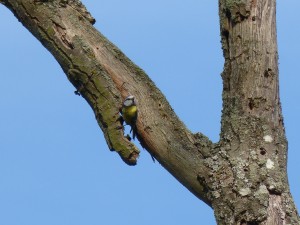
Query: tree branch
x,y
243,175
104,76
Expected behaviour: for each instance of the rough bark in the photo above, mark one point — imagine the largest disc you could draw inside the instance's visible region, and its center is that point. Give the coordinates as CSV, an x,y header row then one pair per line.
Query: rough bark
x,y
253,139
243,176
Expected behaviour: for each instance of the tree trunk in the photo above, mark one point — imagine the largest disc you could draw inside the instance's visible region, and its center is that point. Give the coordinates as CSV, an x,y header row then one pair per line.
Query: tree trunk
x,y
243,176
253,138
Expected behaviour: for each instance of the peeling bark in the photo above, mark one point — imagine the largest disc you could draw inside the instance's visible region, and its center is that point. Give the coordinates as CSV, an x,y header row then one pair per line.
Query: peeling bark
x,y
243,176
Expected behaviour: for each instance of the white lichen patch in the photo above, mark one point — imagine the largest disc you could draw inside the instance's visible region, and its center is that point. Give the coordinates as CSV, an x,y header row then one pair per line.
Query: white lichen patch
x,y
262,189
245,191
216,194
270,164
268,138
263,195
253,155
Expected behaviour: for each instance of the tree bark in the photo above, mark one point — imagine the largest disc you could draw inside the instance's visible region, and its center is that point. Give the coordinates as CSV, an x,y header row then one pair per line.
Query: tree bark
x,y
253,139
243,176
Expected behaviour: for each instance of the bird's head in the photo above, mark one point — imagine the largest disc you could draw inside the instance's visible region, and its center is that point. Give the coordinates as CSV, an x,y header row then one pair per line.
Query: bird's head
x,y
129,101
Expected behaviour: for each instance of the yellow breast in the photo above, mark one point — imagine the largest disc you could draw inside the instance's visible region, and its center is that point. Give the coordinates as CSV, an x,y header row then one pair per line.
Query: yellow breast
x,y
129,114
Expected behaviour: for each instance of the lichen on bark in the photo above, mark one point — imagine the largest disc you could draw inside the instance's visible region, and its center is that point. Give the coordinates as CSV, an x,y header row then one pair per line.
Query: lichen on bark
x,y
242,176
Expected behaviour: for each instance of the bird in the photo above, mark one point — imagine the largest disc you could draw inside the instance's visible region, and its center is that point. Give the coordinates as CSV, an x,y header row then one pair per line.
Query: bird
x,y
129,113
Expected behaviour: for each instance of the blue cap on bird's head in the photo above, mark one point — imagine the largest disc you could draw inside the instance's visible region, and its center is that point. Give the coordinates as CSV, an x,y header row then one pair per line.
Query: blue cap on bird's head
x,y
129,101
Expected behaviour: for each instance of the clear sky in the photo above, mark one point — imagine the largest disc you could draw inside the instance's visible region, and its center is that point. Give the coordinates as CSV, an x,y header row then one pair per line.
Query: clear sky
x,y
55,167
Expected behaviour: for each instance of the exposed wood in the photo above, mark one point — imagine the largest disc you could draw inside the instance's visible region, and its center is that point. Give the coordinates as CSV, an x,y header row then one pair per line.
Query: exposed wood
x,y
243,176
104,76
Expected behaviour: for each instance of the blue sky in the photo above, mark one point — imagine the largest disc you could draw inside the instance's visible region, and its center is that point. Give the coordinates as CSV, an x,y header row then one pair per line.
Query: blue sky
x,y
55,167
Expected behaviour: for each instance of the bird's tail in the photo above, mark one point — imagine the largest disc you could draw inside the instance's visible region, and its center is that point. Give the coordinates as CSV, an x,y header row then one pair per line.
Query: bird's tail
x,y
134,131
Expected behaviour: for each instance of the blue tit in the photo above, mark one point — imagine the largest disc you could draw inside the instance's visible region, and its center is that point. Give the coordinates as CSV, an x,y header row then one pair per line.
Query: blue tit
x,y
129,113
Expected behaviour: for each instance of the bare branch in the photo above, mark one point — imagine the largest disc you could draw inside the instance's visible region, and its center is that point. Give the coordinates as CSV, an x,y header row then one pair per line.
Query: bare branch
x,y
243,175
104,76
